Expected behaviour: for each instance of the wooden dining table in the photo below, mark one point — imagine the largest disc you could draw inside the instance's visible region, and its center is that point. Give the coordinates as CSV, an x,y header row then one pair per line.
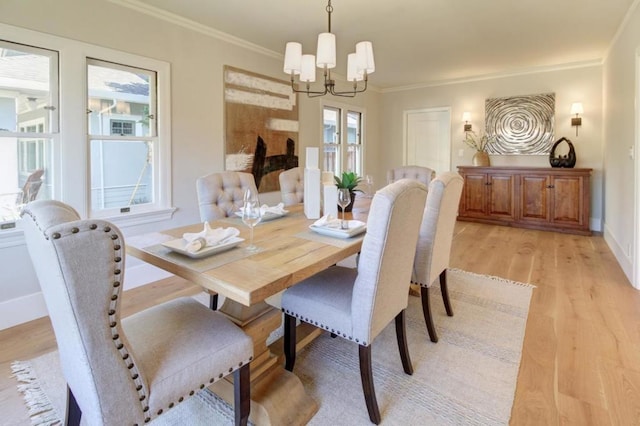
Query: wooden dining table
x,y
288,252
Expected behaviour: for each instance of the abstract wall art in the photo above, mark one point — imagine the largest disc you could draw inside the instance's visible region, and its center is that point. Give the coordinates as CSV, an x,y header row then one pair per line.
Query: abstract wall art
x,y
520,125
261,126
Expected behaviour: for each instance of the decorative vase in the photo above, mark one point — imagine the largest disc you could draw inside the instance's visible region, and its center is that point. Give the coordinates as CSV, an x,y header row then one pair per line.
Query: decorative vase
x,y
350,205
481,159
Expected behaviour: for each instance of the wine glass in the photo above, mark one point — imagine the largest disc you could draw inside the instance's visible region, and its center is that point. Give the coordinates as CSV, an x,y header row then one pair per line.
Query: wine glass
x,y
344,198
368,180
251,214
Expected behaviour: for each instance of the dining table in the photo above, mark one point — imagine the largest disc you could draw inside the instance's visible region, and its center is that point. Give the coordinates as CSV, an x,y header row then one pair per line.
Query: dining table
x,y
288,251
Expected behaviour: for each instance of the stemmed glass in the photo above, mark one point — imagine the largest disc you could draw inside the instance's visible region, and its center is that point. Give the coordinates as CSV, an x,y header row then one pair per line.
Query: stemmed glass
x,y
344,198
251,215
368,180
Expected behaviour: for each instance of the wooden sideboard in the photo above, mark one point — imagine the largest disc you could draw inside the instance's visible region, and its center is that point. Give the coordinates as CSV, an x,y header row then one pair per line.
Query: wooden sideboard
x,y
554,199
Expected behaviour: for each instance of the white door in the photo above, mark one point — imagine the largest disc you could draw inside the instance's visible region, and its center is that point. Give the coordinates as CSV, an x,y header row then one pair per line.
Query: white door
x,y
428,138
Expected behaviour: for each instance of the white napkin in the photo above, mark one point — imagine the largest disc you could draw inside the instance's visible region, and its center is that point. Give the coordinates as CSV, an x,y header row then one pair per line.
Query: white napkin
x,y
328,221
278,209
208,237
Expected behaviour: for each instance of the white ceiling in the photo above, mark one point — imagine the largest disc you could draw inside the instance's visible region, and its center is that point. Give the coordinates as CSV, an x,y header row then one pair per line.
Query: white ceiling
x,y
420,42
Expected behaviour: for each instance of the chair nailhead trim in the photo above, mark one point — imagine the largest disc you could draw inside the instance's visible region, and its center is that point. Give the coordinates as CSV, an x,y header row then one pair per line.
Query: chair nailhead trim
x,y
93,226
74,230
56,235
336,332
107,229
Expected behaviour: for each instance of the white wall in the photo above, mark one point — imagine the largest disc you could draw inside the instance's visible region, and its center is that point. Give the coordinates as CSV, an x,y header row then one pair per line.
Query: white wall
x,y
571,85
197,61
620,93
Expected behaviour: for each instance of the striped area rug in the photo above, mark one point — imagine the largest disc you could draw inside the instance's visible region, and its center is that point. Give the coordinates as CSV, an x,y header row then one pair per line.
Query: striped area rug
x,y
468,377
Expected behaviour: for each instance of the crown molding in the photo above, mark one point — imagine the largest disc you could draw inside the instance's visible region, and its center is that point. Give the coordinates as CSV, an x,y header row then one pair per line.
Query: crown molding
x,y
195,26
493,76
621,28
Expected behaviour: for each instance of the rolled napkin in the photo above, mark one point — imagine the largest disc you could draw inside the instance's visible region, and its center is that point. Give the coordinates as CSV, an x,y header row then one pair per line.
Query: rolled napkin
x,y
208,237
328,221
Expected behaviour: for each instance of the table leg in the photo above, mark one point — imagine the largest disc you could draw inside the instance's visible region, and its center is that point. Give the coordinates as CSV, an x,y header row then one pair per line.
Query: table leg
x,y
277,395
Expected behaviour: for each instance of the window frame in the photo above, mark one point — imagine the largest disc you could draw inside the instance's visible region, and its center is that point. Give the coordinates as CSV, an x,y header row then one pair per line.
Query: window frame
x,y
342,135
70,156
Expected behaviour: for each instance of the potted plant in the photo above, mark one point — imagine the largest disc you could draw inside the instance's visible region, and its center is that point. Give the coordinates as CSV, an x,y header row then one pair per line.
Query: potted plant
x,y
479,142
350,181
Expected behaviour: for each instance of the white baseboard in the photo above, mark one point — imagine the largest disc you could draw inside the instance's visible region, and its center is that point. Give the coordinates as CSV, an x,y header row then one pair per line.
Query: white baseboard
x,y
32,306
625,261
595,224
22,309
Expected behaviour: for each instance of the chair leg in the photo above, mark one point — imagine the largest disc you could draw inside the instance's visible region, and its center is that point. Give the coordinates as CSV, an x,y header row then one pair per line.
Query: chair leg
x,y
242,395
289,341
445,292
402,343
213,302
366,374
74,414
426,311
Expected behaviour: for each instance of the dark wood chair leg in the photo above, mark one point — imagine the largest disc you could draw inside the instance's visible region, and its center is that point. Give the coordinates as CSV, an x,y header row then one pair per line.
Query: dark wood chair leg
x,y
73,414
213,302
366,374
445,293
426,311
402,343
242,395
289,341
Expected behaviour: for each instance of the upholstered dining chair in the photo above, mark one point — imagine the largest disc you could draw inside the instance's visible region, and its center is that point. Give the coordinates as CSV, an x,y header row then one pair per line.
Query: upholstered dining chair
x,y
292,186
357,304
423,174
124,370
220,194
434,242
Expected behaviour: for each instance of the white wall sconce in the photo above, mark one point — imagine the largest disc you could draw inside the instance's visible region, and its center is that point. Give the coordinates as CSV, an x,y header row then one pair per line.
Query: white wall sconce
x,y
466,117
576,108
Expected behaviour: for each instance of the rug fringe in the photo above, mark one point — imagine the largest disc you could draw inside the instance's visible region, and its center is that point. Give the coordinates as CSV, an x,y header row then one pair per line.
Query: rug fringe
x,y
41,411
494,278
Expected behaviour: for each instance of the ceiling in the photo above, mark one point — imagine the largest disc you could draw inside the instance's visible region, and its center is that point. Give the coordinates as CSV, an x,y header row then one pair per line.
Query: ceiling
x,y
420,42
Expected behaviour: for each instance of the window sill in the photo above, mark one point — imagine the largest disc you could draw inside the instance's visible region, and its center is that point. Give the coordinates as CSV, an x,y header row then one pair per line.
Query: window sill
x,y
15,237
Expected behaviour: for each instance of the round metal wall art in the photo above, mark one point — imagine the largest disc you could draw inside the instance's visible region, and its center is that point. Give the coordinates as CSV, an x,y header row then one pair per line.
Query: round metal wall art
x,y
520,125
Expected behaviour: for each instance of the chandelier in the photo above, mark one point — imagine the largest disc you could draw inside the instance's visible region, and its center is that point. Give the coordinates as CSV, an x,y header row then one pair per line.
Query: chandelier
x,y
359,64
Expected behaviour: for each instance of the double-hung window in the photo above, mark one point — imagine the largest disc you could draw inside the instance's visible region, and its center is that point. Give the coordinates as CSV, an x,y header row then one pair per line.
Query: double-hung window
x,y
122,136
83,124
28,124
342,139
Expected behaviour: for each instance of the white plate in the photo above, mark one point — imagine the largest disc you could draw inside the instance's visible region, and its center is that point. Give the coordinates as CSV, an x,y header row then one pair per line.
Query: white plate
x,y
356,227
179,246
267,216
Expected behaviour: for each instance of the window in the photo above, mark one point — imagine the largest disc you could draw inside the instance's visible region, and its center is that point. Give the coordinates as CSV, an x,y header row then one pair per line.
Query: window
x,y
94,120
122,135
342,139
28,121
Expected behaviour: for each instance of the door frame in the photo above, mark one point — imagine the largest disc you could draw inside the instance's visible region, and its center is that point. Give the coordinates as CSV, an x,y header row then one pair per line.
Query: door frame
x,y
635,258
405,132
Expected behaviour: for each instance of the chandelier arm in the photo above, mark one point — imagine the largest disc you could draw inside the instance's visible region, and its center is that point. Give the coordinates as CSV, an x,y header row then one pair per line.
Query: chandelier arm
x,y
350,93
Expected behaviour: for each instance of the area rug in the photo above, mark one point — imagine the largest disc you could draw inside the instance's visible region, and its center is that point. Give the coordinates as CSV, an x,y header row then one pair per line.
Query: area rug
x,y
468,377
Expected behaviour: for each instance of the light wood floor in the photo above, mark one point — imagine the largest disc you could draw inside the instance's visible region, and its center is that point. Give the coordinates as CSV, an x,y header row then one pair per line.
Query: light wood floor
x,y
581,354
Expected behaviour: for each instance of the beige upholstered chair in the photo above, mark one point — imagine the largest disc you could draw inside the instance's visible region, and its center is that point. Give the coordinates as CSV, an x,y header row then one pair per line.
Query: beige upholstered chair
x,y
423,174
221,194
357,304
292,186
124,370
434,243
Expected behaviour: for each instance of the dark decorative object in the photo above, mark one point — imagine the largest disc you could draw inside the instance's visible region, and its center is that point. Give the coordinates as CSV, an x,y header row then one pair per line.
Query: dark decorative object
x,y
263,165
520,125
568,160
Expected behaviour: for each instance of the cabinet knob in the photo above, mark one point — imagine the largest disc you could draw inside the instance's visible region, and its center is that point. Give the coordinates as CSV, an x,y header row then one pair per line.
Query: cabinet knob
x,y
487,183
549,186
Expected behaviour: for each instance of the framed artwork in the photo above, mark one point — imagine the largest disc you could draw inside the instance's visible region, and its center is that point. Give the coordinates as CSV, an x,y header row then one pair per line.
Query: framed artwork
x,y
520,125
261,126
